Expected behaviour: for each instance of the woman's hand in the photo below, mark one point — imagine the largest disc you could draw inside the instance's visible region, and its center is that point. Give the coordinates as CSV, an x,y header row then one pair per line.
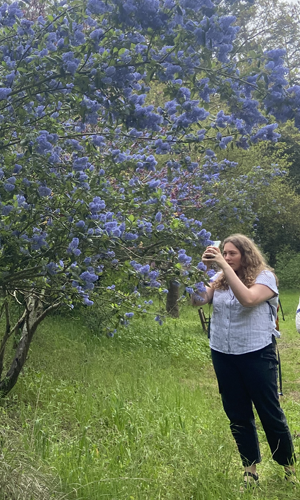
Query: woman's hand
x,y
213,254
201,298
196,300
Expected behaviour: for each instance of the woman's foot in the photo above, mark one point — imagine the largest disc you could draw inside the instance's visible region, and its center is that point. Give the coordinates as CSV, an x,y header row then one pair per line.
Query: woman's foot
x,y
290,475
250,479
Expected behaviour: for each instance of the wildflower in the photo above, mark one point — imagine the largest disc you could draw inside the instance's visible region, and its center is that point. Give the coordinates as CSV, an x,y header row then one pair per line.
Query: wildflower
x,y
44,191
129,314
4,93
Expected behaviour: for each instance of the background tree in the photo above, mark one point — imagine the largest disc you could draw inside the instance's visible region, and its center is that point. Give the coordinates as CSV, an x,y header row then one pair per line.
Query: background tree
x,y
85,210
266,24
273,200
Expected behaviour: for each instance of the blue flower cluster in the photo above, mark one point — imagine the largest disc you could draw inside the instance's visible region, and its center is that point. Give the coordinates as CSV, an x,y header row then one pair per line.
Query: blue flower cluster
x,y
9,13
81,189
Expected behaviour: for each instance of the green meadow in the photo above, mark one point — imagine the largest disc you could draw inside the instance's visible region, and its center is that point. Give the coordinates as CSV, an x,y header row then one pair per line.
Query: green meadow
x,y
134,417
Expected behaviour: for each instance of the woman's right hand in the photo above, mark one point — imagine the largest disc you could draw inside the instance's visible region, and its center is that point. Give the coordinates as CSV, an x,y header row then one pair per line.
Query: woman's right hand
x,y
209,255
213,254
196,300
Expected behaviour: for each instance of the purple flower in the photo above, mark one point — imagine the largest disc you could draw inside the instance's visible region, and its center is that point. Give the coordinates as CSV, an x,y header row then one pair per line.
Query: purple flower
x,y
145,269
210,273
44,145
73,245
70,63
88,277
38,240
80,164
129,315
8,186
153,275
87,301
183,258
136,266
98,140
52,268
11,180
4,93
96,34
6,209
74,144
130,236
96,205
97,7
158,319
155,284
80,224
44,191
17,168
200,287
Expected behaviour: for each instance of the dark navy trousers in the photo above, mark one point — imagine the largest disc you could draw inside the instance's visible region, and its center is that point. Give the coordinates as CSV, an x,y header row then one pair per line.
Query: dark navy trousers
x,y
251,379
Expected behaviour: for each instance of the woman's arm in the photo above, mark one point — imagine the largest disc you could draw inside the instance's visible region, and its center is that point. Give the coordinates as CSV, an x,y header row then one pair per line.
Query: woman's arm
x,y
200,299
247,297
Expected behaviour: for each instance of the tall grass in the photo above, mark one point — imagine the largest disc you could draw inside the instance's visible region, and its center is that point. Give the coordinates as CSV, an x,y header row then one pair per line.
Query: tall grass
x,y
133,417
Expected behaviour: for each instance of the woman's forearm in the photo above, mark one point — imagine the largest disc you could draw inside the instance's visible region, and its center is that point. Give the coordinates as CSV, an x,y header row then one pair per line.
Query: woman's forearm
x,y
202,298
248,297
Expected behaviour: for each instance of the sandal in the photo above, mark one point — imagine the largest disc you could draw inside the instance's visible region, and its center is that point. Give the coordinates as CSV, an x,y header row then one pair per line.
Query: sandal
x,y
290,477
251,481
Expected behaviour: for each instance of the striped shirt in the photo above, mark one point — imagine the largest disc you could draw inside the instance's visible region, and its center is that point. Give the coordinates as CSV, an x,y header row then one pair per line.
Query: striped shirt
x,y
236,329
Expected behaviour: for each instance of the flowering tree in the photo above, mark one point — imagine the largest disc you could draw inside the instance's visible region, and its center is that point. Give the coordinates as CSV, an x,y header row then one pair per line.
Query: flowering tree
x,y
85,208
260,31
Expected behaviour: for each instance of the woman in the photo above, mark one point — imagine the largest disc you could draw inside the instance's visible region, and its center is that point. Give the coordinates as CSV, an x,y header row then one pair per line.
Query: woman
x,y
242,340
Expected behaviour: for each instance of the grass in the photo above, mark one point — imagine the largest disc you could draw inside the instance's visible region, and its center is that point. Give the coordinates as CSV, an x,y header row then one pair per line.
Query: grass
x,y
136,417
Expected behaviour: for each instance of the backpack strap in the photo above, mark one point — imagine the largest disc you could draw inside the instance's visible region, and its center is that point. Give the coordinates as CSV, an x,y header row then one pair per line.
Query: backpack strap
x,y
279,370
209,319
280,306
272,315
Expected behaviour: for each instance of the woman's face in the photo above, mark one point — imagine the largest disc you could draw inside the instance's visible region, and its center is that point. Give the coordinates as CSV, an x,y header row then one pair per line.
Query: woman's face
x,y
232,256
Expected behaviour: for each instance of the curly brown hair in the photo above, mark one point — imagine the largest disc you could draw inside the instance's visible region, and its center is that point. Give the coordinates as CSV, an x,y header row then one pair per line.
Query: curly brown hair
x,y
252,262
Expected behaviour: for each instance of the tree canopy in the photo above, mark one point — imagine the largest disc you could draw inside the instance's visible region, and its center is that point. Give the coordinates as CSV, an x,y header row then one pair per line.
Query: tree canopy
x,y
96,183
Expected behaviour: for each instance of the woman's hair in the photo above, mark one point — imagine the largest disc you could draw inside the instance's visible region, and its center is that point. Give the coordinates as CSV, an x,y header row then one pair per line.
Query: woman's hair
x,y
252,261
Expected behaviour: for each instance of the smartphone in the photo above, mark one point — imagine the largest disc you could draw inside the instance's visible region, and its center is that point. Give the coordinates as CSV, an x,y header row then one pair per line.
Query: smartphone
x,y
215,244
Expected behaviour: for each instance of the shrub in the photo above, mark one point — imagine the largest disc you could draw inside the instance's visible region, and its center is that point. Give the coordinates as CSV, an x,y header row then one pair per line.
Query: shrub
x,y
288,269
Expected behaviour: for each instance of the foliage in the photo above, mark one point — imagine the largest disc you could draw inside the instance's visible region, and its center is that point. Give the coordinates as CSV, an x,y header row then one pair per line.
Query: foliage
x,y
85,210
278,224
260,31
288,269
173,338
121,419
287,149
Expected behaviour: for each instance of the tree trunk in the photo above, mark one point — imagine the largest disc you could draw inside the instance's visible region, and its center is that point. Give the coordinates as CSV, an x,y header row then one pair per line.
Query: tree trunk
x,y
34,315
172,299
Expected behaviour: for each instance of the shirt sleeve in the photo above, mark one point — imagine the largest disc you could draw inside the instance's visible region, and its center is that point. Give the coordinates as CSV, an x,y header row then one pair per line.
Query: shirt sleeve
x,y
267,278
215,276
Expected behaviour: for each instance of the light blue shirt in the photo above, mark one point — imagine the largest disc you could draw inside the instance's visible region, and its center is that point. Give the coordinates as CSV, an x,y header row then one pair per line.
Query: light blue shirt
x,y
236,329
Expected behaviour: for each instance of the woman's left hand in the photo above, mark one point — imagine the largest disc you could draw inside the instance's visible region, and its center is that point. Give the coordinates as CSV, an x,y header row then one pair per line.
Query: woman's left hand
x,y
213,254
